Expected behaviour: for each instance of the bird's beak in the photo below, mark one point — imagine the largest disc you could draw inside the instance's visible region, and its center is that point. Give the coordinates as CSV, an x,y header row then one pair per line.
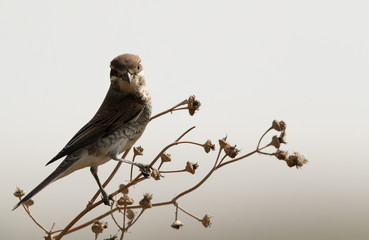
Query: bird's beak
x,y
128,77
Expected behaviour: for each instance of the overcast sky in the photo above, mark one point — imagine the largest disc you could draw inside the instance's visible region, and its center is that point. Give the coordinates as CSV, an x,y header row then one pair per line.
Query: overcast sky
x,y
248,62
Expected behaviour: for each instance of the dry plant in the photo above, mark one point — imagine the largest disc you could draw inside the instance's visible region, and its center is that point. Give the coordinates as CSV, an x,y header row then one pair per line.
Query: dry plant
x,y
124,205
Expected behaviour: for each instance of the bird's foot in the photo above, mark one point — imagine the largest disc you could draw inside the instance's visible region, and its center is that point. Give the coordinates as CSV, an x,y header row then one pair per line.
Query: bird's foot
x,y
106,199
145,170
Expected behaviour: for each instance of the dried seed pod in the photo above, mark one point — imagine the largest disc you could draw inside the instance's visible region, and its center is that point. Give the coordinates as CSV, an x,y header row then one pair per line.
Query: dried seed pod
x,y
123,189
208,145
146,201
138,150
281,155
275,142
296,160
124,201
279,125
177,224
191,167
231,151
29,202
193,105
130,214
166,157
223,143
282,137
19,193
98,227
156,174
206,221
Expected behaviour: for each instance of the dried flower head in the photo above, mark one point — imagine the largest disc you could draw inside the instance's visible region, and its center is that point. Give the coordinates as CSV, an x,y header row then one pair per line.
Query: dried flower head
x,y
124,201
191,167
177,224
281,155
223,143
123,189
156,174
231,151
282,137
296,159
193,105
19,193
98,227
206,220
279,125
166,157
130,214
138,150
146,201
29,202
208,145
275,142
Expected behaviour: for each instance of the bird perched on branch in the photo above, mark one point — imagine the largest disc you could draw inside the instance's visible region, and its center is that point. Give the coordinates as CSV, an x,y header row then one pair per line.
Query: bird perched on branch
x,y
117,125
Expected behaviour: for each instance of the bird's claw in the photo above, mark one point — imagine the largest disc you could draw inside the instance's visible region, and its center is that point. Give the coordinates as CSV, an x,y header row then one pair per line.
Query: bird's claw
x,y
145,170
106,199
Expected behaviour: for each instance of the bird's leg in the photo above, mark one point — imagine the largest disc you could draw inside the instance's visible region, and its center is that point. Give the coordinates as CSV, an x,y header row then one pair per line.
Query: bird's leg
x,y
145,169
105,197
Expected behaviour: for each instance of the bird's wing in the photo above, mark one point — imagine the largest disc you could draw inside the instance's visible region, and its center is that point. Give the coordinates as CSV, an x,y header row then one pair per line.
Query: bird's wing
x,y
112,114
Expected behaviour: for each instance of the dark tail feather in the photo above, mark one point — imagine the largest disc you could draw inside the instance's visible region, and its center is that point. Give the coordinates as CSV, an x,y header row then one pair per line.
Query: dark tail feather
x,y
52,177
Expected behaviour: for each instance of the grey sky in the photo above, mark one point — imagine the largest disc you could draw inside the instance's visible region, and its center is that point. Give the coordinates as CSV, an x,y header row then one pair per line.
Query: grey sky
x,y
248,62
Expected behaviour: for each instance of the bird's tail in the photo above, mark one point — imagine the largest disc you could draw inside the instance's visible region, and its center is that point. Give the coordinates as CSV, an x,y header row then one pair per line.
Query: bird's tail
x,y
52,177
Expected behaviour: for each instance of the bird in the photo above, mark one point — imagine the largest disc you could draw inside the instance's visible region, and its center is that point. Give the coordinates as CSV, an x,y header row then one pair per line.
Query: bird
x,y
117,125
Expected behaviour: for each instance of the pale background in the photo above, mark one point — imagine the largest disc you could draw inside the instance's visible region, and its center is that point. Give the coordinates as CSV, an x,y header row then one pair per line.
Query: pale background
x,y
248,62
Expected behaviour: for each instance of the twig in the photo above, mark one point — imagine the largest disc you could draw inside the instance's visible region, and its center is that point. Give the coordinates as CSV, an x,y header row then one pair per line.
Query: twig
x,y
169,110
33,219
258,146
197,218
124,221
190,129
173,171
131,173
237,159
139,215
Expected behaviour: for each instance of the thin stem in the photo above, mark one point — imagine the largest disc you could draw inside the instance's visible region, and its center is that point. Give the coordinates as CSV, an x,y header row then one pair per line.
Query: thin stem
x,y
194,187
265,153
194,143
222,159
262,137
197,218
173,171
139,215
86,224
130,176
237,159
160,165
216,161
33,219
176,214
182,108
112,215
187,131
124,222
169,110
52,227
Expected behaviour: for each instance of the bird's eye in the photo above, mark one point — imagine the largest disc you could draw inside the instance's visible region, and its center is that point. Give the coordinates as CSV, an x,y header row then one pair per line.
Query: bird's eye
x,y
139,67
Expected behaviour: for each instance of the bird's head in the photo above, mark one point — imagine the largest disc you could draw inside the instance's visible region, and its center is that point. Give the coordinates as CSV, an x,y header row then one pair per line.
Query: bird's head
x,y
127,72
